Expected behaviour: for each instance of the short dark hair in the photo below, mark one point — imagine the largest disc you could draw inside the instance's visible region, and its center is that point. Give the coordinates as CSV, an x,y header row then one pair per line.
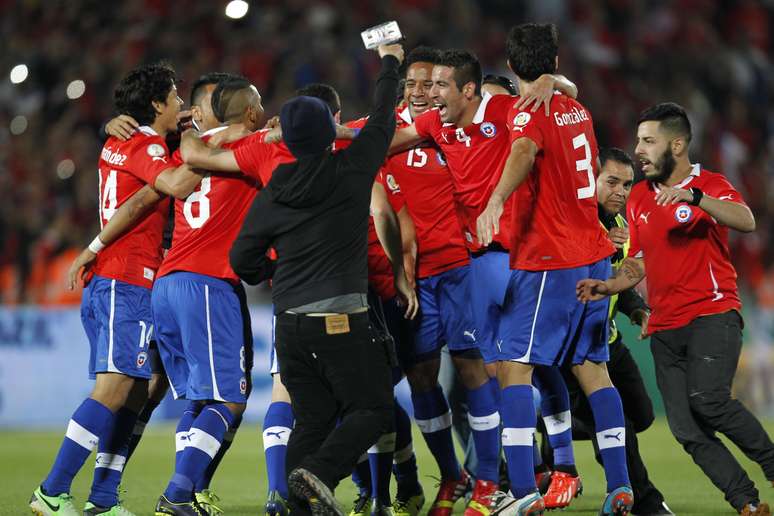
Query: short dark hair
x,y
671,116
324,92
136,92
222,95
502,81
532,49
615,154
422,54
213,78
466,66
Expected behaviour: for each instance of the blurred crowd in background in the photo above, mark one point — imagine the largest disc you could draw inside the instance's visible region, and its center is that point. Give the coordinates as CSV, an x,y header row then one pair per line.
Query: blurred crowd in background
x,y
62,60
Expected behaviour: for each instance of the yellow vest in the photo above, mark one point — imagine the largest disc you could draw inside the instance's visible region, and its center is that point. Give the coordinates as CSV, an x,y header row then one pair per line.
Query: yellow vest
x,y
620,222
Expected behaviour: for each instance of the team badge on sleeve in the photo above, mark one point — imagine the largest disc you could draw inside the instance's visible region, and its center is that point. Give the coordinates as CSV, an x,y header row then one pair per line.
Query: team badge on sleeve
x,y
683,214
488,129
520,120
392,184
155,150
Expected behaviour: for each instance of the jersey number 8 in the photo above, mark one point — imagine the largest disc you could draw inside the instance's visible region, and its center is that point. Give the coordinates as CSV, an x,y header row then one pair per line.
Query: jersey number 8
x,y
198,196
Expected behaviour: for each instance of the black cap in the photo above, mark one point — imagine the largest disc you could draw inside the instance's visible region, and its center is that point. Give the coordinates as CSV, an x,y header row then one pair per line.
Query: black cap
x,y
307,126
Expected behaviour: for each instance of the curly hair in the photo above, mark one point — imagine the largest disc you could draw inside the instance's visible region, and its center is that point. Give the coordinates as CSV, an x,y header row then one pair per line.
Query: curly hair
x,y
136,92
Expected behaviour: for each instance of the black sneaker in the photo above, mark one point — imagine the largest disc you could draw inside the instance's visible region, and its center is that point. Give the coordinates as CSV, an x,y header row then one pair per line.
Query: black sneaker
x,y
165,507
305,485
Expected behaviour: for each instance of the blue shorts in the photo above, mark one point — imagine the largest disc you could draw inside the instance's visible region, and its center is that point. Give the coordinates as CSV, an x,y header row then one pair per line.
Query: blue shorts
x,y
489,273
544,323
118,323
445,314
201,333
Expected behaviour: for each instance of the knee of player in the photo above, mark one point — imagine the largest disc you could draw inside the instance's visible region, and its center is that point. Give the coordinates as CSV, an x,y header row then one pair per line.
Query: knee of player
x,y
423,376
236,409
709,405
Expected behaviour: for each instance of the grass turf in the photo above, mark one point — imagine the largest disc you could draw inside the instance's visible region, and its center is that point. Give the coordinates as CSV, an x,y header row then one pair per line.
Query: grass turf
x,y
241,480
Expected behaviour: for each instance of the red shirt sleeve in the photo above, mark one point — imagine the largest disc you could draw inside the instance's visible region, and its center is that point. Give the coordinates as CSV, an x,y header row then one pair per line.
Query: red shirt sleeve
x,y
722,190
427,124
253,155
391,186
525,124
151,158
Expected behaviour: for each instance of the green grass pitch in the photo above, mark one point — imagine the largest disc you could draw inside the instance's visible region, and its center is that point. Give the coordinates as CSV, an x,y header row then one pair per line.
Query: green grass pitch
x,y
241,480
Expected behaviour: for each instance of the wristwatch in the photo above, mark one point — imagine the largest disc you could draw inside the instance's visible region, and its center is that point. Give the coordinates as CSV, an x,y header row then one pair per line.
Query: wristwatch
x,y
697,196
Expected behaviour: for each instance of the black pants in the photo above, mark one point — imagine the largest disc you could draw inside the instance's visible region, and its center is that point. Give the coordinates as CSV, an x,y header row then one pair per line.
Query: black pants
x,y
341,391
638,416
695,366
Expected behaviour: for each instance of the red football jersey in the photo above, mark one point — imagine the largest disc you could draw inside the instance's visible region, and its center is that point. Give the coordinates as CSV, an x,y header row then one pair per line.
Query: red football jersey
x,y
687,262
475,155
208,221
420,176
124,168
258,159
555,221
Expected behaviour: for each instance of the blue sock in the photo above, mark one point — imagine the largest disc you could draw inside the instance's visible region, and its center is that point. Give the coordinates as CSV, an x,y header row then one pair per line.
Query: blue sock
x,y
205,438
611,435
519,419
380,463
277,425
431,411
183,430
361,475
204,482
90,423
555,409
111,459
405,468
484,422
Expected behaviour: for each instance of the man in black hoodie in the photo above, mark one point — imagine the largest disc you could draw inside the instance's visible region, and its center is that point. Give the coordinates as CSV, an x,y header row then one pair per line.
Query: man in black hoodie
x,y
314,212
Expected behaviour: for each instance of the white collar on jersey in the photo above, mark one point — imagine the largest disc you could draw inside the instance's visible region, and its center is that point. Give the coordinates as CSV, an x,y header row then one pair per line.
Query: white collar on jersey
x,y
214,130
146,129
405,115
481,111
695,172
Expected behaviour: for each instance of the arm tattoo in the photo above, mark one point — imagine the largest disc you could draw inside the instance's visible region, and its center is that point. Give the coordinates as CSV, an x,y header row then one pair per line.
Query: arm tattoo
x,y
632,270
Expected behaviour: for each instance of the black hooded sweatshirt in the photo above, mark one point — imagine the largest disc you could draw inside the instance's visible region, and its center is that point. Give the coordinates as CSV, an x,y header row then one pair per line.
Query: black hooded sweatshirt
x,y
315,212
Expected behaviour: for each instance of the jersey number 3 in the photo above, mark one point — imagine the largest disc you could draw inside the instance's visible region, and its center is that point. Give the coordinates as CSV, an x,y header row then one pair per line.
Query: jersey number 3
x,y
584,165
200,197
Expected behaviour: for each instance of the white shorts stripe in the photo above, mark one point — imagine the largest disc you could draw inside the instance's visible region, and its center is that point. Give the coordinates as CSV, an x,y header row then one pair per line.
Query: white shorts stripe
x,y
611,438
525,358
483,423
110,461
81,436
385,444
111,366
558,423
276,436
204,442
518,436
404,454
428,426
215,392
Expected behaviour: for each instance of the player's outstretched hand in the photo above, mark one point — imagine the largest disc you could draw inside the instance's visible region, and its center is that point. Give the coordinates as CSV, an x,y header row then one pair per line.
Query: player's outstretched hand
x,y
395,50
488,223
122,127
618,236
83,261
668,195
540,92
641,318
591,290
407,296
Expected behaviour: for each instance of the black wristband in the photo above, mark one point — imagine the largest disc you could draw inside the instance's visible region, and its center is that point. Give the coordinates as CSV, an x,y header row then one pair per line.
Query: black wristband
x,y
697,196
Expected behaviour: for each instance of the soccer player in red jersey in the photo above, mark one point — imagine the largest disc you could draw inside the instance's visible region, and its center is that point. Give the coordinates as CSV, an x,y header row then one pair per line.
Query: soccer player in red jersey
x,y
472,132
556,239
116,302
678,221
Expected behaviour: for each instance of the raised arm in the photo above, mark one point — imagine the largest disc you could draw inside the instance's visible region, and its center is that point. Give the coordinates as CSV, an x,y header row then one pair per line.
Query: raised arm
x,y
542,90
197,154
631,272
